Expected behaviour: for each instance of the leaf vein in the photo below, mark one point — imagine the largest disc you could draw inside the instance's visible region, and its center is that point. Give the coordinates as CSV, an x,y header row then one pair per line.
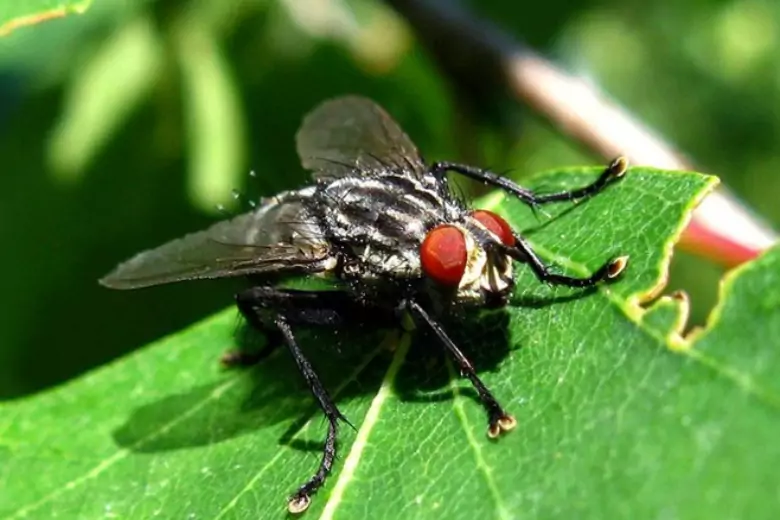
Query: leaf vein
x,y
339,389
361,440
484,469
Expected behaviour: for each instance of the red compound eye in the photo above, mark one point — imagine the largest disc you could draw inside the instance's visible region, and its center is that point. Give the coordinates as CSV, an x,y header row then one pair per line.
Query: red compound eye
x,y
443,255
495,225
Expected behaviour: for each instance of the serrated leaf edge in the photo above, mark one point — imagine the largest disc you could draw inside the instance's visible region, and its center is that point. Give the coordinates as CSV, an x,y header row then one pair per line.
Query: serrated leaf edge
x,y
746,382
635,305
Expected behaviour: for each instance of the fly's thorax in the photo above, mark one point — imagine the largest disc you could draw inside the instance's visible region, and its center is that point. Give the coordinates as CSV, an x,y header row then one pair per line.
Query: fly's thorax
x,y
379,222
379,211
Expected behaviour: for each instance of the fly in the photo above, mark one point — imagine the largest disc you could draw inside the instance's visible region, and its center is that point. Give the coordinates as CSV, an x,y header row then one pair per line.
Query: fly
x,y
385,226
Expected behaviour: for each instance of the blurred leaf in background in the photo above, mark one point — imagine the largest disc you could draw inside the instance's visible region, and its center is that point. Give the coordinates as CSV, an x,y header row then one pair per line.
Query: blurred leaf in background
x,y
130,124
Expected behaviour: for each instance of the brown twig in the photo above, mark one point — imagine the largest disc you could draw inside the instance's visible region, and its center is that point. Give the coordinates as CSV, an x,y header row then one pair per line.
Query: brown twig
x,y
481,61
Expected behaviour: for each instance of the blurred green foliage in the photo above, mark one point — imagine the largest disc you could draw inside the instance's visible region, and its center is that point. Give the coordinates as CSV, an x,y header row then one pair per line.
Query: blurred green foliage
x,y
132,123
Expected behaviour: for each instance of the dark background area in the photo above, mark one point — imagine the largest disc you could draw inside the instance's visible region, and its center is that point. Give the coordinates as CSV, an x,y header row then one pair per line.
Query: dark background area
x,y
129,125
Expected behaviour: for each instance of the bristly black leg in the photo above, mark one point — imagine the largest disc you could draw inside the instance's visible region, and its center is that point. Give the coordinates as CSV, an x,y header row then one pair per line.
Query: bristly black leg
x,y
522,252
301,499
614,171
305,307
270,308
498,420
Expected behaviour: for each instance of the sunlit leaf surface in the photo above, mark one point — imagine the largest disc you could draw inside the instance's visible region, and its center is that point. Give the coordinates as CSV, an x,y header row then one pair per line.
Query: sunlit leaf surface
x,y
619,415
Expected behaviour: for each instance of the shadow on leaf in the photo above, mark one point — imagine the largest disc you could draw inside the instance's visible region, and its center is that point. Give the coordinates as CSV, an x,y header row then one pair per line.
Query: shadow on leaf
x,y
425,377
351,363
249,400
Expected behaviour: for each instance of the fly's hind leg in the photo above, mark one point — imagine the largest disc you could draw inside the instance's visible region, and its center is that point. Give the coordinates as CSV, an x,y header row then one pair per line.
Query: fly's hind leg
x,y
301,306
274,309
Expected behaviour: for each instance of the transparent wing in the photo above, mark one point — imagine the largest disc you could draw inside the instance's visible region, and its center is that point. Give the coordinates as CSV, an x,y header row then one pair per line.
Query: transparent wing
x,y
278,236
352,135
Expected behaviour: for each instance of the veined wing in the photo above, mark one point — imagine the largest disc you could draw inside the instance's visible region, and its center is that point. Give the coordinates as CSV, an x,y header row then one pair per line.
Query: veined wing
x,y
353,135
278,236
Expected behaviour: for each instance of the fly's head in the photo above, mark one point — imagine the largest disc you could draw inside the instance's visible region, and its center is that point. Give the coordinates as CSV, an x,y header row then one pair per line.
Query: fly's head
x,y
468,259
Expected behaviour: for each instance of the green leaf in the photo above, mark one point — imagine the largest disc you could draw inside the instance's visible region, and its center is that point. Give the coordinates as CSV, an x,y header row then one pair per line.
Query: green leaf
x,y
618,413
20,13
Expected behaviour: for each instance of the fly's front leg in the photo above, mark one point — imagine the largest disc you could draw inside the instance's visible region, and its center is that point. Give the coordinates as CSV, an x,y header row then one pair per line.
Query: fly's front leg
x,y
498,420
613,172
269,308
523,252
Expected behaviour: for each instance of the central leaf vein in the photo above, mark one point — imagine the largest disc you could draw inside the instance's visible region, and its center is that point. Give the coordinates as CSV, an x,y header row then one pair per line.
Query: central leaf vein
x,y
339,389
361,441
484,469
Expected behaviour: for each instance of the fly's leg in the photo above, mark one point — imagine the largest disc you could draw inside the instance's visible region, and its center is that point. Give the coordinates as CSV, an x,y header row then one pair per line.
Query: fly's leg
x,y
301,499
316,308
523,252
613,172
498,420
268,308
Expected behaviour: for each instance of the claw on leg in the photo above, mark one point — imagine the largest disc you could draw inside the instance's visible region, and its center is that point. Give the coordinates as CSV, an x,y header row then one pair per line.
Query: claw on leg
x,y
615,267
298,503
503,424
